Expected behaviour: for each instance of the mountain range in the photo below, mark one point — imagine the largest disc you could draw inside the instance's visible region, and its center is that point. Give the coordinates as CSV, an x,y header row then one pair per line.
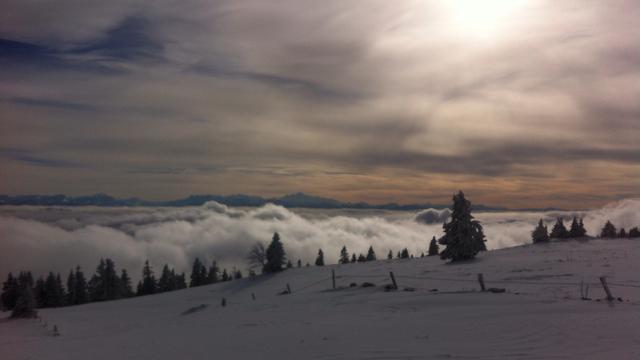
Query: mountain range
x,y
295,200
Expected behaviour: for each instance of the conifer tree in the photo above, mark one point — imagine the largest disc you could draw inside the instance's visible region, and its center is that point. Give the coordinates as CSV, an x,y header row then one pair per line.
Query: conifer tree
x,y
559,231
212,275
289,264
54,295
25,306
81,293
320,258
582,232
404,254
361,258
463,236
422,254
40,293
540,234
299,263
275,255
433,247
390,255
622,234
166,281
353,258
71,288
371,255
125,284
225,275
608,231
237,274
344,256
399,255
634,232
574,230
181,281
10,289
198,274
148,283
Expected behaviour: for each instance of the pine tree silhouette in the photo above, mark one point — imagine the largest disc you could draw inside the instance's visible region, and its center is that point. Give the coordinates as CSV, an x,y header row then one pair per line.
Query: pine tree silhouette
x,y
320,258
463,236
434,250
540,234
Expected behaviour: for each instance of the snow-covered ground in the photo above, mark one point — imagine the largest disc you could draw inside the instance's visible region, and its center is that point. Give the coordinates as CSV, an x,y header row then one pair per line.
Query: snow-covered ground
x,y
541,316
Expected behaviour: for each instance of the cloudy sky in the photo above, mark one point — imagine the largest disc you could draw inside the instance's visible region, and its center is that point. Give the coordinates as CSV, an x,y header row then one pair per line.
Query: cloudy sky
x,y
520,103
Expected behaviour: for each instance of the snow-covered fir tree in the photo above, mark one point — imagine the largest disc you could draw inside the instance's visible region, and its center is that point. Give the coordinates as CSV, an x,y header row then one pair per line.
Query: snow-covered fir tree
x,y
463,235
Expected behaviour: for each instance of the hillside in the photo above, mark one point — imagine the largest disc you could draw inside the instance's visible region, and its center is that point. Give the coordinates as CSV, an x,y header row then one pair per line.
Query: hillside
x,y
541,315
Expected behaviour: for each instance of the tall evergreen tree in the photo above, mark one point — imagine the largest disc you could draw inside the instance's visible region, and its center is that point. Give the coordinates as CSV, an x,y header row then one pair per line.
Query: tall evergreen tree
x,y
320,258
148,284
622,234
71,288
275,255
559,231
344,256
237,274
225,275
582,232
54,294
10,289
125,284
181,281
371,255
81,292
25,306
390,255
299,263
434,250
40,293
574,229
353,258
404,254
463,236
198,274
166,281
540,234
608,231
634,232
212,274
361,258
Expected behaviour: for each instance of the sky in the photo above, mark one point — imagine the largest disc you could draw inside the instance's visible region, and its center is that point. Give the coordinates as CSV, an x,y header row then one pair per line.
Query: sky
x,y
521,103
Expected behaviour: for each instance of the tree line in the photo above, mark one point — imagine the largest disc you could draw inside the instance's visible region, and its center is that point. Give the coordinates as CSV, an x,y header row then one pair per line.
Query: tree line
x,y
541,233
463,238
105,284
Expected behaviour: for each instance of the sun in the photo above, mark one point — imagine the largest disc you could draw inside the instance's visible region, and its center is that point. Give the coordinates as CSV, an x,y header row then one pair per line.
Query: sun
x,y
481,19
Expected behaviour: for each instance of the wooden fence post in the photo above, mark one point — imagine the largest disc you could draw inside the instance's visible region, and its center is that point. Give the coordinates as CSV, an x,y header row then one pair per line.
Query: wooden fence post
x,y
481,281
288,289
393,280
333,278
603,280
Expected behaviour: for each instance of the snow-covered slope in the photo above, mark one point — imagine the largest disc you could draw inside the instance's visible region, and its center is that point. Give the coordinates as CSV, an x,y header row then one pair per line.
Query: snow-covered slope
x,y
540,316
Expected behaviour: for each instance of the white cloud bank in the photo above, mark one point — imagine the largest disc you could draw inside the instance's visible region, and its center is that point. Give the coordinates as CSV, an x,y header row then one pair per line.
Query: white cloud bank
x,y
43,239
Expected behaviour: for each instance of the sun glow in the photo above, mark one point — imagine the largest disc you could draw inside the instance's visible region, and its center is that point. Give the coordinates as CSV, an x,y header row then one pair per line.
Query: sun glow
x,y
482,19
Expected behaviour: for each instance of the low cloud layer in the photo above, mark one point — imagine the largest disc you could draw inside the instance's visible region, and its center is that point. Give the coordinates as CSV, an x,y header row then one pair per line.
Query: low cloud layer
x,y
43,239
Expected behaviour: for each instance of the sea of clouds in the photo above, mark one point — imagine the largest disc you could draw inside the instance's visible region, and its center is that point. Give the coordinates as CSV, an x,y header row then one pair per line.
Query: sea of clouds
x,y
41,239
